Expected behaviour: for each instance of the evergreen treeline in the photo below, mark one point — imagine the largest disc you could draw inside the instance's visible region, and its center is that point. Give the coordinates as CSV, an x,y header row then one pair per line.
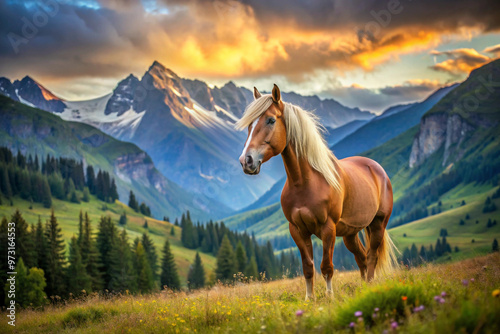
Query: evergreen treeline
x,y
237,252
134,205
105,261
60,177
414,257
342,258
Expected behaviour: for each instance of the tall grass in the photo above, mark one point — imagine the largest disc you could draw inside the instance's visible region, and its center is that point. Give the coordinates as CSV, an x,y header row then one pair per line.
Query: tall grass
x,y
451,298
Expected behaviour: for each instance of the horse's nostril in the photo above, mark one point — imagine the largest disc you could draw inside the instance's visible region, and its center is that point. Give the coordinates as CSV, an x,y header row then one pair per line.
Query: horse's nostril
x,y
249,160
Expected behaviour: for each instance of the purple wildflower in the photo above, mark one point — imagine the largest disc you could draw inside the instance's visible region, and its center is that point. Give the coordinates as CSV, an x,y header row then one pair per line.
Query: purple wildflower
x,y
472,280
376,309
358,314
418,308
374,315
299,313
443,294
352,324
465,282
394,325
441,301
437,298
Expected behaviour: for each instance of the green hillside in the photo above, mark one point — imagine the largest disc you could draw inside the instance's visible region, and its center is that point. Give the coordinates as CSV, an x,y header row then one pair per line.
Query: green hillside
x,y
67,216
33,131
426,231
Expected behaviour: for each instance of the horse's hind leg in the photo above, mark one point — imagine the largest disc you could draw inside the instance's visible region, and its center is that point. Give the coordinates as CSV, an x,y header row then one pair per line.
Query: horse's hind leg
x,y
355,246
376,236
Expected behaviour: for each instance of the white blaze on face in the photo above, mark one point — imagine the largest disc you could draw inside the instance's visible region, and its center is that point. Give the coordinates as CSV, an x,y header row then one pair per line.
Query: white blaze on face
x,y
253,125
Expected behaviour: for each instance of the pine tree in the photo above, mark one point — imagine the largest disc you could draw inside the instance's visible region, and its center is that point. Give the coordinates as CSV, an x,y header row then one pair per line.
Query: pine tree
x,y
113,191
122,271
494,246
24,246
196,275
76,273
80,229
251,270
105,236
90,256
241,257
169,278
172,231
123,219
145,281
91,179
226,261
40,246
55,258
132,202
151,254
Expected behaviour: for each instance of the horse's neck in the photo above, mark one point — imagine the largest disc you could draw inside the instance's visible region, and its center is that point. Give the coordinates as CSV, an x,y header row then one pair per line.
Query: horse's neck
x,y
298,171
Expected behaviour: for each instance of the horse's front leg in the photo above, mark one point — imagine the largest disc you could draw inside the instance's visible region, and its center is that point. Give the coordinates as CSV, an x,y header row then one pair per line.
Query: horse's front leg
x,y
304,244
328,238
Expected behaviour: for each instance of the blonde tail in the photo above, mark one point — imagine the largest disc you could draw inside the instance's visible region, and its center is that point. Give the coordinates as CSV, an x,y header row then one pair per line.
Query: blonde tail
x,y
387,258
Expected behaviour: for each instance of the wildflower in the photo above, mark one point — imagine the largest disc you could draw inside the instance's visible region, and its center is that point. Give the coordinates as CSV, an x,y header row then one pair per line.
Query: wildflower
x,y
472,280
394,325
443,294
352,324
418,308
358,314
376,309
465,282
374,315
437,298
441,300
404,298
299,313
496,293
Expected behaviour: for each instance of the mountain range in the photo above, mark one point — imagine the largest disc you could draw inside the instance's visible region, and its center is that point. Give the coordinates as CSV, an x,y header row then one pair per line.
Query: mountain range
x,y
34,131
184,125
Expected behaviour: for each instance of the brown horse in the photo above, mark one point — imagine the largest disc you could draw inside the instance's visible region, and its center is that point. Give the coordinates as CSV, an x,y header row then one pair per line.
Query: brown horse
x,y
322,195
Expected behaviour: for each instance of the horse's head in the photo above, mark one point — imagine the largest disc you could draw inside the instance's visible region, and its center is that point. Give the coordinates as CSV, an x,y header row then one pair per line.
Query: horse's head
x,y
266,130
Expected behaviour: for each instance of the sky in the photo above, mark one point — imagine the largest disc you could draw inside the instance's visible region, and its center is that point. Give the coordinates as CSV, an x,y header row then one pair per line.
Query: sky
x,y
368,54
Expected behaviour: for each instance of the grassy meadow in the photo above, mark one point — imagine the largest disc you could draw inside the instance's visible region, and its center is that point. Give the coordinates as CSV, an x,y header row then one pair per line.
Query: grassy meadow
x,y
459,297
67,216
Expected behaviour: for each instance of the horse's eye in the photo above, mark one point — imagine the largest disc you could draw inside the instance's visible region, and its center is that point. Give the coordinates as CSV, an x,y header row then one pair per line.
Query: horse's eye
x,y
271,121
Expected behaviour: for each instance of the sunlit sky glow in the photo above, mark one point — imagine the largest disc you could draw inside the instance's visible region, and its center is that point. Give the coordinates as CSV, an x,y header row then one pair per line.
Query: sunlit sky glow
x,y
357,52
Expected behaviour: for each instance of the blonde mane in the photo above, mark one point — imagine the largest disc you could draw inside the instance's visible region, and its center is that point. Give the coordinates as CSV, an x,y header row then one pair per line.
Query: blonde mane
x,y
304,131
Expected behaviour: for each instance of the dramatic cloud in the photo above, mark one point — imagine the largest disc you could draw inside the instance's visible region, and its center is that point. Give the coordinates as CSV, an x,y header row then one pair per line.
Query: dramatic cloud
x,y
461,61
495,49
227,39
378,100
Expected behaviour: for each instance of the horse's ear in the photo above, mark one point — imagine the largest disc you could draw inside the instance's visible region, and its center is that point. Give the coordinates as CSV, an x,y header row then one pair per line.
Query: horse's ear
x,y
256,93
276,94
